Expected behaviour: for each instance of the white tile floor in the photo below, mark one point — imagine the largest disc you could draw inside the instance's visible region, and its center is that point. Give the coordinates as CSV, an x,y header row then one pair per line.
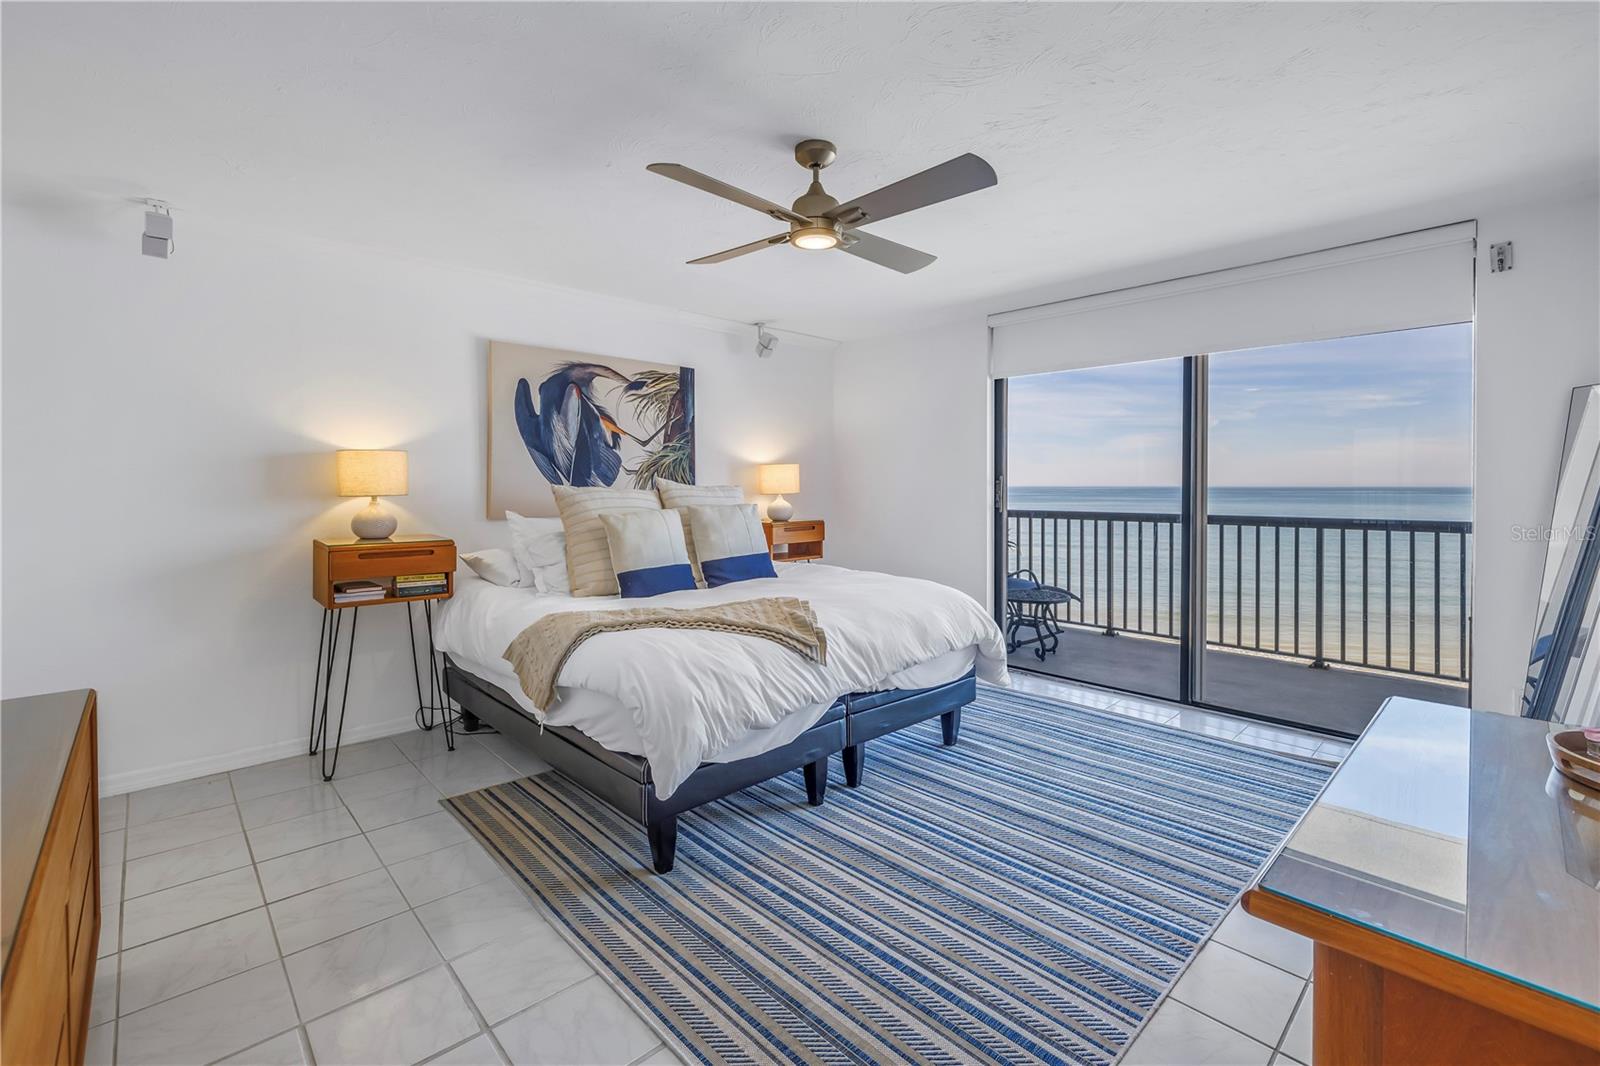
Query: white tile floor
x,y
263,916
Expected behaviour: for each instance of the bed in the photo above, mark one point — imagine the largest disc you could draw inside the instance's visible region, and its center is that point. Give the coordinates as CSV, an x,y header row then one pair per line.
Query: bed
x,y
656,722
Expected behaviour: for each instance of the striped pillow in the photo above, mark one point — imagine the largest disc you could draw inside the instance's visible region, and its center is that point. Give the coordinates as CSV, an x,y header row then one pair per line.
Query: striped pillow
x,y
676,495
732,545
647,552
589,568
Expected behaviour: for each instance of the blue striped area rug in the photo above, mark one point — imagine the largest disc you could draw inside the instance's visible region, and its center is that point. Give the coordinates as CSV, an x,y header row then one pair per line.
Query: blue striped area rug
x,y
1025,896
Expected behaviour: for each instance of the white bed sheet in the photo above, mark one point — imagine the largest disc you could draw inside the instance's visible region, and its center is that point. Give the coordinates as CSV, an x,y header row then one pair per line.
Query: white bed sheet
x,y
694,695
602,717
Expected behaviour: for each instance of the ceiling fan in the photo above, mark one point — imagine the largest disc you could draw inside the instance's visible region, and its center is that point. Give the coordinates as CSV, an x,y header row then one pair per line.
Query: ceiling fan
x,y
818,222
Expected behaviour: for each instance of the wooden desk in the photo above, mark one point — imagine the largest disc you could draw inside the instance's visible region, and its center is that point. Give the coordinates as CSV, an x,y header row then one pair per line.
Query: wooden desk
x,y
1449,879
49,875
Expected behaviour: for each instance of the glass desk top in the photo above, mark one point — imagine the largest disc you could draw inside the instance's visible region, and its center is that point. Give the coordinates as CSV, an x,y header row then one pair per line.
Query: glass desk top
x,y
1449,829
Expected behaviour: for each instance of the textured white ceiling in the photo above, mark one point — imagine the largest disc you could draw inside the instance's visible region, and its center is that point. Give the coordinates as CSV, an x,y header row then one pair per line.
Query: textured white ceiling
x,y
513,137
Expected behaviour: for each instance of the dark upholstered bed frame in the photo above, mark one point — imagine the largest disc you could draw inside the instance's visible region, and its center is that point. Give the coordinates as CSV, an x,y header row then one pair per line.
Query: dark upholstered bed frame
x,y
624,782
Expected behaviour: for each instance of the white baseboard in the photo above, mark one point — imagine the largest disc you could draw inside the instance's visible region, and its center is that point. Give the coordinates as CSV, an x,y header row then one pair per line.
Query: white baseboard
x,y
133,780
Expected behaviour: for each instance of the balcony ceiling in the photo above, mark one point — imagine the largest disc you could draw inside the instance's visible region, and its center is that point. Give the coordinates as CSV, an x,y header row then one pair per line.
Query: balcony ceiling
x,y
513,138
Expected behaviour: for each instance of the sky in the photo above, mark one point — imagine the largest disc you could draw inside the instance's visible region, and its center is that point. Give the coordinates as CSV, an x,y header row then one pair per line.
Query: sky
x,y
1386,409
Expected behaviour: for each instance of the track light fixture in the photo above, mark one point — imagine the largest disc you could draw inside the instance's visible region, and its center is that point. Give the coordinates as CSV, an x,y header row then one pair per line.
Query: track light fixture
x,y
765,341
157,239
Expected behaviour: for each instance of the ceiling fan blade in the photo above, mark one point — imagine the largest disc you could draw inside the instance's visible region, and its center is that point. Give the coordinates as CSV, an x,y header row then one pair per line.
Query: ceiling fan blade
x,y
705,183
885,253
956,177
743,249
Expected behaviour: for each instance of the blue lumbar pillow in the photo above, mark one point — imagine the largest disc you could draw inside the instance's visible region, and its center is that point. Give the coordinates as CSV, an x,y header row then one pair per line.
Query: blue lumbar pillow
x,y
647,552
734,547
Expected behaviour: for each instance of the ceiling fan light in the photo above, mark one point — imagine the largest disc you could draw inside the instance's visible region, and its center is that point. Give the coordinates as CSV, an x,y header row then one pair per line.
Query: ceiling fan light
x,y
814,238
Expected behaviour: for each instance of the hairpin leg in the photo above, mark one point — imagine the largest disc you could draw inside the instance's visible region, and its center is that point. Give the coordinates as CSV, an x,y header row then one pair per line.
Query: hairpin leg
x,y
436,683
324,632
319,726
424,707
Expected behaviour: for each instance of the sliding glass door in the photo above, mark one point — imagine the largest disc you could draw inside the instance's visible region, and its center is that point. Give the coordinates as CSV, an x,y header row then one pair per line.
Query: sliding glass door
x,y
1338,525
1322,487
1094,541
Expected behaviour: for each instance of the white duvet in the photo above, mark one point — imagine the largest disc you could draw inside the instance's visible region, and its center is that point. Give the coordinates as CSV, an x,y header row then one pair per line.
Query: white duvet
x,y
692,694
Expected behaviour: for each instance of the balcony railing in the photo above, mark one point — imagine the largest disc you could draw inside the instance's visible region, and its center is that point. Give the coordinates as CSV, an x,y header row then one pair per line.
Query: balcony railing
x,y
1388,594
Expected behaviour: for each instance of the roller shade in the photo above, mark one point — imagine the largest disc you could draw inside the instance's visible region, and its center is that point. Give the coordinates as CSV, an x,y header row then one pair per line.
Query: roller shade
x,y
1416,279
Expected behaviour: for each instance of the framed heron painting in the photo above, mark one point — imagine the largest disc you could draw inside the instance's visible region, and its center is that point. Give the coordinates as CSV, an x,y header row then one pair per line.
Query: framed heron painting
x,y
569,418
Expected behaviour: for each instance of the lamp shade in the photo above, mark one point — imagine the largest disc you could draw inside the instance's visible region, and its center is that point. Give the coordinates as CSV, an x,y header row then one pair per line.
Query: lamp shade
x,y
369,473
775,479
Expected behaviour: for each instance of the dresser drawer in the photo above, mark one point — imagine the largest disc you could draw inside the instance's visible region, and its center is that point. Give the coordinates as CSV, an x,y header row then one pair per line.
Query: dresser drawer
x,y
350,564
82,880
35,999
796,532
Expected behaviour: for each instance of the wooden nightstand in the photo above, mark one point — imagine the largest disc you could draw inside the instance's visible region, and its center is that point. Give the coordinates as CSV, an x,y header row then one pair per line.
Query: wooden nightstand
x,y
794,541
344,559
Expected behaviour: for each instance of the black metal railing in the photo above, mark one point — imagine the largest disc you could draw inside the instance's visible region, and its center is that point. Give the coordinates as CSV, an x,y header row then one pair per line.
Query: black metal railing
x,y
1391,594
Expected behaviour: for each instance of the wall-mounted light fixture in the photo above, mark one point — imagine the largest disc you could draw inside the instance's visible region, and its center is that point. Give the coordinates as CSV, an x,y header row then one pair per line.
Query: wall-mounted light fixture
x,y
765,341
157,239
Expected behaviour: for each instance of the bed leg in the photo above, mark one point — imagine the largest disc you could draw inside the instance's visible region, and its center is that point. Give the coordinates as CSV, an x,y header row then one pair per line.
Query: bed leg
x,y
663,843
469,722
950,723
816,781
855,761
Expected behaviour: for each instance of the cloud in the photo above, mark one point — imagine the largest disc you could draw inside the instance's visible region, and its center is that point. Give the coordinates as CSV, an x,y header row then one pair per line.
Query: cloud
x,y
1387,409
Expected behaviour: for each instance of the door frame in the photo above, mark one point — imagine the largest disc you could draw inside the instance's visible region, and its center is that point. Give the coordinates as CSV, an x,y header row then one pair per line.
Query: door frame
x,y
1192,583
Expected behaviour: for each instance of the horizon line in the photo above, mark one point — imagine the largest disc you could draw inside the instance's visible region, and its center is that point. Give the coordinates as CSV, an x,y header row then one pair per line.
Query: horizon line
x,y
1179,486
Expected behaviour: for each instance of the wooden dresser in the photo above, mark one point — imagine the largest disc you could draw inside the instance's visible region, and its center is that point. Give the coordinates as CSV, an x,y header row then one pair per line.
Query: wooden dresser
x,y
1451,881
49,875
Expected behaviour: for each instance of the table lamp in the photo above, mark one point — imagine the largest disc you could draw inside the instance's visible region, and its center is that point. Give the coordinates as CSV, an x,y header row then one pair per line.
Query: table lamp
x,y
775,479
374,474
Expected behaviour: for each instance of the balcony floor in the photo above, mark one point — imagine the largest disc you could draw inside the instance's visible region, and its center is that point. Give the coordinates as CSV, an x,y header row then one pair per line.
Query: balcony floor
x,y
1337,699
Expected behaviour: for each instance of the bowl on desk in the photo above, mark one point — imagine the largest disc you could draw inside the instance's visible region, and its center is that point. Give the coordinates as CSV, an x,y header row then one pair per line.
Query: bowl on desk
x,y
1569,750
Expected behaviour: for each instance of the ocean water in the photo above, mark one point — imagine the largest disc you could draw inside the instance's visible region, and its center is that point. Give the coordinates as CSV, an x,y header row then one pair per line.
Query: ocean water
x,y
1399,600
1435,504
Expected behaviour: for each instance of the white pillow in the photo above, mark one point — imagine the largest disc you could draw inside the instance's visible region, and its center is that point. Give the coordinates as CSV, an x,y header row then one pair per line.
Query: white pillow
x,y
588,555
647,552
540,548
681,497
496,566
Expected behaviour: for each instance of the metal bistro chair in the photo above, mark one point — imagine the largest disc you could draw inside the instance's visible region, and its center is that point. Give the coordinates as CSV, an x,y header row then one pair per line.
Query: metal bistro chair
x,y
1032,605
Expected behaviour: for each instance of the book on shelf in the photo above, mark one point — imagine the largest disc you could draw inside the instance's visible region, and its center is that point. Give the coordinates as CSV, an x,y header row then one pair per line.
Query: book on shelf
x,y
420,579
422,590
358,591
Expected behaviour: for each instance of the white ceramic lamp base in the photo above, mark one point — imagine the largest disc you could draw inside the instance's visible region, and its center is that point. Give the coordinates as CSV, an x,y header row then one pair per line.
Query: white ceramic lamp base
x,y
780,509
372,522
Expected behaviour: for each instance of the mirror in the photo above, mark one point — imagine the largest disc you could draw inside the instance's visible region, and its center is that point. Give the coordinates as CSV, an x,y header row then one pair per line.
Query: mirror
x,y
1563,682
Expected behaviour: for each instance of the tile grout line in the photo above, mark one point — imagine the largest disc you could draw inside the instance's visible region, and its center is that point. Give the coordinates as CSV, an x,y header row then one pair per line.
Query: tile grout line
x,y
1284,1036
277,944
1211,1018
484,1028
301,1027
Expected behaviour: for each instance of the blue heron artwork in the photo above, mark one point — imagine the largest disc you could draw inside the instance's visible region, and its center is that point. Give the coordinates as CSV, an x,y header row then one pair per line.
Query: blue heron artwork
x,y
583,421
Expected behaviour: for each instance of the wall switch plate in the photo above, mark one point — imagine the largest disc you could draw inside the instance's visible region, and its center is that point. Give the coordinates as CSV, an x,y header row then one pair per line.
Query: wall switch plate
x,y
1499,257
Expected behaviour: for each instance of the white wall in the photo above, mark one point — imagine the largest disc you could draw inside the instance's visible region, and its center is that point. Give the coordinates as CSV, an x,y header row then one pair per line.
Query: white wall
x,y
912,437
167,459
914,443
1537,338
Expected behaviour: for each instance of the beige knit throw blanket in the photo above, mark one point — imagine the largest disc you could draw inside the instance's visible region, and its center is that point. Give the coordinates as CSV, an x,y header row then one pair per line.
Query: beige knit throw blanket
x,y
541,650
